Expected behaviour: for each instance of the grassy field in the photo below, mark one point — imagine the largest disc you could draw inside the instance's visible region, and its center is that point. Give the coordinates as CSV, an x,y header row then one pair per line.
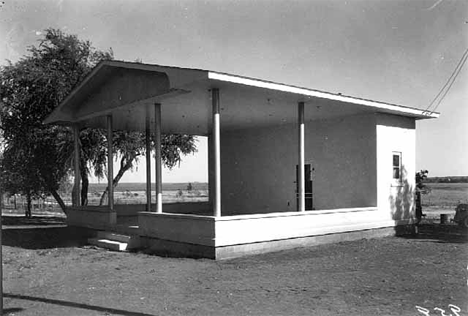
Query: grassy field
x,y
444,197
125,193
123,187
135,193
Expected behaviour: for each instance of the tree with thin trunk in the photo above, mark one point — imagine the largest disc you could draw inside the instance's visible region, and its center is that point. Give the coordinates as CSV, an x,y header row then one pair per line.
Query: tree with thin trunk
x,y
30,90
36,157
130,146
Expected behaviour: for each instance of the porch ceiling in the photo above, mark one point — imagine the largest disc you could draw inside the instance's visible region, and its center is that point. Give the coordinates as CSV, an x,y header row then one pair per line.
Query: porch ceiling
x,y
128,91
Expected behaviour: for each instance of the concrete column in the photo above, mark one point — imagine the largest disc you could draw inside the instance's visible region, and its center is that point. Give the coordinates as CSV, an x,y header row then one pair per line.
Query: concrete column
x,y
76,143
216,153
110,162
301,160
148,159
157,145
211,172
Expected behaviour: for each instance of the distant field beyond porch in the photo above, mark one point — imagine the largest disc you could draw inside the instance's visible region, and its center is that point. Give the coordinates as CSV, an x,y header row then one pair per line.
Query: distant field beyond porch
x,y
125,193
442,198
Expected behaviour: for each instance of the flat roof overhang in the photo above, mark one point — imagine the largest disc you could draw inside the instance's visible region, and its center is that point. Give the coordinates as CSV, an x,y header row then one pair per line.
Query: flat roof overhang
x,y
128,91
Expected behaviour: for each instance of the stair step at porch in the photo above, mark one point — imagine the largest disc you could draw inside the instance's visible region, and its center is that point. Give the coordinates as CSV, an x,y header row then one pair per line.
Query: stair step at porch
x,y
113,236
108,244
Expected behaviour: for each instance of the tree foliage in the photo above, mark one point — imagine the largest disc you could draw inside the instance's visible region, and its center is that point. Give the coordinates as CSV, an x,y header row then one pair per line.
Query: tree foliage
x,y
421,188
36,157
29,90
130,146
421,177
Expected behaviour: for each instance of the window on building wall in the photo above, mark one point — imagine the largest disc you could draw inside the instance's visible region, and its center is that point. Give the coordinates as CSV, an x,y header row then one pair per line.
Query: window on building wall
x,y
396,166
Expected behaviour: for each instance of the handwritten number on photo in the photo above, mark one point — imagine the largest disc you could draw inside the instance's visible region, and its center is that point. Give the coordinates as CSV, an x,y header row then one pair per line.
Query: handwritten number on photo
x,y
454,309
442,311
423,310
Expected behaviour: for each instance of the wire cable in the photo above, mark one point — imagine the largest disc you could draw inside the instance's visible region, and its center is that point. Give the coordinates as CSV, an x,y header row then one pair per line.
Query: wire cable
x,y
450,86
449,82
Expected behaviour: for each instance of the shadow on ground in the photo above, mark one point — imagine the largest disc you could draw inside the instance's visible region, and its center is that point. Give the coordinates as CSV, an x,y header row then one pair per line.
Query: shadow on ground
x,y
8,311
74,305
436,233
33,221
40,233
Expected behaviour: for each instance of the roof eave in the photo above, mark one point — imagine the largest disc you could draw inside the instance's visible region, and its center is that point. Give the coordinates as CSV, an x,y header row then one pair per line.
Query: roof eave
x,y
384,107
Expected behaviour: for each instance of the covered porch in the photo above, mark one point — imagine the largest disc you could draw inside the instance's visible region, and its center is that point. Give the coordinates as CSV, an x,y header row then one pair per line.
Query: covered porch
x,y
267,143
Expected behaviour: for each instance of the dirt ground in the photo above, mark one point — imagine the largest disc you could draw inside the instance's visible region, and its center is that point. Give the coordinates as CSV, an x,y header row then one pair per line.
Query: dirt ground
x,y
47,270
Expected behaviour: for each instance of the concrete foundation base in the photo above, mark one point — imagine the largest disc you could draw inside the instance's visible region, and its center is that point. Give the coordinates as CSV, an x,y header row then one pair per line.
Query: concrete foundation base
x,y
176,249
181,249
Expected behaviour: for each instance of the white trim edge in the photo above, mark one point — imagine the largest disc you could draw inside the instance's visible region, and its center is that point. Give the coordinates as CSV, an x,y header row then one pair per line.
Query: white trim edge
x,y
318,94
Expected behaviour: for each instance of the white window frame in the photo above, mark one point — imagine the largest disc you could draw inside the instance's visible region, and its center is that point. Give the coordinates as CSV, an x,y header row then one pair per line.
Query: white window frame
x,y
398,180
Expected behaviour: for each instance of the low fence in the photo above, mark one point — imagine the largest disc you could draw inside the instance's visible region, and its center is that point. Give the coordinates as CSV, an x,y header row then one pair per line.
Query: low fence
x,y
17,204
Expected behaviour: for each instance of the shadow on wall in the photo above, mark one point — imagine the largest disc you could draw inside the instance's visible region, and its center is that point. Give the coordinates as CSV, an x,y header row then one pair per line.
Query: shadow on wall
x,y
401,198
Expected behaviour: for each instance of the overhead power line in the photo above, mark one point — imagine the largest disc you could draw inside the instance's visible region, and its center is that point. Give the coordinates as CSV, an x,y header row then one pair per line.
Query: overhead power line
x,y
448,85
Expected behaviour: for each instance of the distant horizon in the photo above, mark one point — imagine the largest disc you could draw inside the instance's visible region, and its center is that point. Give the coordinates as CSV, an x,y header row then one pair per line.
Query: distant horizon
x,y
204,182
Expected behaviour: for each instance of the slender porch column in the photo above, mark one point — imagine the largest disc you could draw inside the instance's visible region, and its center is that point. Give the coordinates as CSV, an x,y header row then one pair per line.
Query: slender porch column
x,y
148,159
157,145
110,162
301,160
76,143
211,172
216,153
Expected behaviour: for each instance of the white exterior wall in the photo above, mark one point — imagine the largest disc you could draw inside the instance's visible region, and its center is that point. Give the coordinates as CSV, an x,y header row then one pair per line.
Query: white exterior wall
x,y
396,134
258,166
353,161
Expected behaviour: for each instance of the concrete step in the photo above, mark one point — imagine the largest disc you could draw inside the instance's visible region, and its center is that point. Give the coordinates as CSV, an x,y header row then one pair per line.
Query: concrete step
x,y
108,244
115,241
113,236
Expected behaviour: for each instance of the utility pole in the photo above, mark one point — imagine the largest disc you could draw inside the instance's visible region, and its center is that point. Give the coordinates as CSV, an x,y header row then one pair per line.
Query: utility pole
x,y
1,256
1,247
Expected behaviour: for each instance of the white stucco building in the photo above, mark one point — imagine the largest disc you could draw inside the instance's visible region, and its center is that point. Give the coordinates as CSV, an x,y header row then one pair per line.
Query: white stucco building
x,y
288,166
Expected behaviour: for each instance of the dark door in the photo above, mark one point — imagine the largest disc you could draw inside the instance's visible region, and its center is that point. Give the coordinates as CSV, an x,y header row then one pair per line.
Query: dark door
x,y
307,187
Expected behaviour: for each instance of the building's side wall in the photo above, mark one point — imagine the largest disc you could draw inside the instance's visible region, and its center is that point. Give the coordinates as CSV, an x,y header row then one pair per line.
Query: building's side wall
x,y
94,217
352,158
345,154
258,166
396,134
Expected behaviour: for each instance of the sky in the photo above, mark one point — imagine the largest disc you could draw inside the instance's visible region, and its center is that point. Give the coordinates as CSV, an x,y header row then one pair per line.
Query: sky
x,y
393,51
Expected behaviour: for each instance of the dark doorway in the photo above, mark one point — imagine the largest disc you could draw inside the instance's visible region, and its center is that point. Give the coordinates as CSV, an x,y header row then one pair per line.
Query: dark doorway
x,y
307,187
